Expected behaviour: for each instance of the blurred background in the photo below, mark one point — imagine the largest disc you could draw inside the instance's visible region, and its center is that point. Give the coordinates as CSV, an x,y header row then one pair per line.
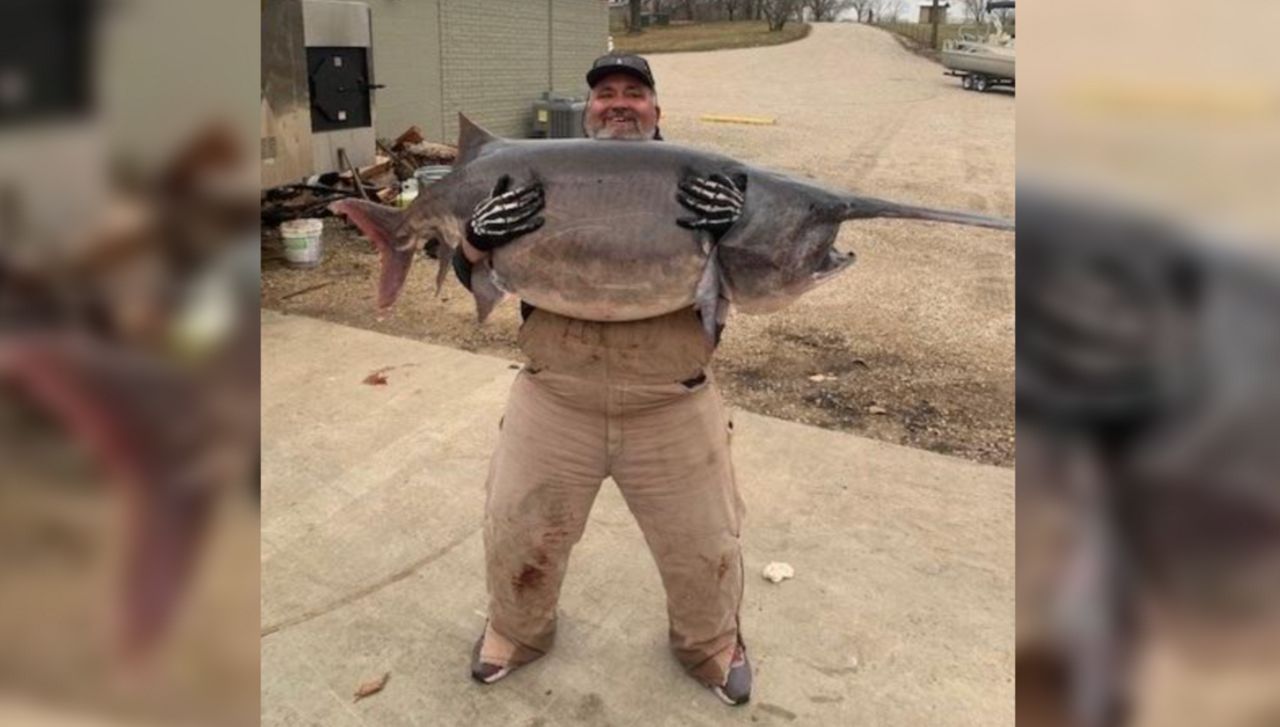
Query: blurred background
x,y
128,362
1148,348
1148,364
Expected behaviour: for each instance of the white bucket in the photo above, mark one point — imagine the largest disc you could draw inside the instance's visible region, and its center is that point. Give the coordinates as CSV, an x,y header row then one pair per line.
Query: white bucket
x,y
302,242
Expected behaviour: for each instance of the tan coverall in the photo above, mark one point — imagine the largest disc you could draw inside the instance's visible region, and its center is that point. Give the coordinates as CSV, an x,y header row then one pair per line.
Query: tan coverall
x,y
601,400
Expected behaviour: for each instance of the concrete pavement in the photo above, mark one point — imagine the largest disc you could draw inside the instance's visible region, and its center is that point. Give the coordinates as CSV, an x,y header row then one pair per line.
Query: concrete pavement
x,y
901,611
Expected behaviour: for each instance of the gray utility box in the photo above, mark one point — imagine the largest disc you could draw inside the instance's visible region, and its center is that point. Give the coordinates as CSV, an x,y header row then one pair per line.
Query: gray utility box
x,y
558,117
317,87
339,43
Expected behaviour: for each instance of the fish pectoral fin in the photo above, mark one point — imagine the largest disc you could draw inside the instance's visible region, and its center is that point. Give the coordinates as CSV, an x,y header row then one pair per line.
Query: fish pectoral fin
x,y
487,293
444,254
722,311
707,298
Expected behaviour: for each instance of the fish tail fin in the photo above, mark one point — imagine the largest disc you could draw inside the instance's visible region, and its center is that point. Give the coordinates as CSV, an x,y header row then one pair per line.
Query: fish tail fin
x,y
860,208
396,244
486,292
121,406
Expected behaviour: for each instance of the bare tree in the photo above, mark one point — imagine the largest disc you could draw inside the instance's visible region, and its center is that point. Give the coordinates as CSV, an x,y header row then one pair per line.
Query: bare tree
x,y
975,10
890,10
1006,19
828,10
731,7
863,7
635,17
778,12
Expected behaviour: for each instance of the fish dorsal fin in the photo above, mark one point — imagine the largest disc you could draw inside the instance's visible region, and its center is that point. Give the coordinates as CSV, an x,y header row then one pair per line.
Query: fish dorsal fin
x,y
471,138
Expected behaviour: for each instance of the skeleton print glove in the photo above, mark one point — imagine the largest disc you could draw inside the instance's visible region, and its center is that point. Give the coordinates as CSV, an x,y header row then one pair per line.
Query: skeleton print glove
x,y
505,215
716,200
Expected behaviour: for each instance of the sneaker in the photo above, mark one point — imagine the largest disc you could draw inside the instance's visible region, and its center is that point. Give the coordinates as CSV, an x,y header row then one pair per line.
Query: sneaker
x,y
484,672
736,689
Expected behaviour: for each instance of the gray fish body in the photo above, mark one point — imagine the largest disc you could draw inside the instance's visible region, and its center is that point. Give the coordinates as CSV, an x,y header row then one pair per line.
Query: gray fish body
x,y
610,248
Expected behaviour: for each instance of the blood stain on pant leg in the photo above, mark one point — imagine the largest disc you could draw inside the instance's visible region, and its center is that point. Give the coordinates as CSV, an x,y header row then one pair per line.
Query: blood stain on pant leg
x,y
532,575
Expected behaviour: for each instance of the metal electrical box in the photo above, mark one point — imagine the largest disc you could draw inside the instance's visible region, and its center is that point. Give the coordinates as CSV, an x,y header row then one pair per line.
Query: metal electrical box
x,y
558,117
339,45
317,87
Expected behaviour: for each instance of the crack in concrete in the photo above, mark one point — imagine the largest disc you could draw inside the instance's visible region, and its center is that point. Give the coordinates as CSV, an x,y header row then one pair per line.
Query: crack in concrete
x,y
368,590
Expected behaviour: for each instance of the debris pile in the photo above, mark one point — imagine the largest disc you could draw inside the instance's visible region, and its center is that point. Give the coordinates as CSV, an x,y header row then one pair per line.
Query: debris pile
x,y
383,181
410,146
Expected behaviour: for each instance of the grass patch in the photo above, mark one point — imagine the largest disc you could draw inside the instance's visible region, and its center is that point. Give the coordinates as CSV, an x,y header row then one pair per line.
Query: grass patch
x,y
706,36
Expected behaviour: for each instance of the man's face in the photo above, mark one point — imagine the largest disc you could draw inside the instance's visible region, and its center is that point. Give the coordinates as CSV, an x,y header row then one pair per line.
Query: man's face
x,y
622,107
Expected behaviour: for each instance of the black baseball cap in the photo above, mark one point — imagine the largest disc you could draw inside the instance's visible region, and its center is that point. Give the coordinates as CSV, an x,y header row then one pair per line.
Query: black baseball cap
x,y
628,64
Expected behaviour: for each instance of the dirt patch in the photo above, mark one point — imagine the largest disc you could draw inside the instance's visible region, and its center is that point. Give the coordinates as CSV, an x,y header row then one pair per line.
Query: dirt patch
x,y
936,406
919,49
869,391
691,37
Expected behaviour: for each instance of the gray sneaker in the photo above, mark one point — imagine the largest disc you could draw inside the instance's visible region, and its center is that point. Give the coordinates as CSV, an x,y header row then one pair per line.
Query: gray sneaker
x,y
484,672
736,689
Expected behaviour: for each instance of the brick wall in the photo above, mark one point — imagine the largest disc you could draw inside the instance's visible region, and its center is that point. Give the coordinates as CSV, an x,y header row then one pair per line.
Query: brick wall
x,y
579,36
489,59
495,59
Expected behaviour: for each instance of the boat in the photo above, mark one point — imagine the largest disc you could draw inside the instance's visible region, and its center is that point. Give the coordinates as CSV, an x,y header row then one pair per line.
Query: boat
x,y
983,62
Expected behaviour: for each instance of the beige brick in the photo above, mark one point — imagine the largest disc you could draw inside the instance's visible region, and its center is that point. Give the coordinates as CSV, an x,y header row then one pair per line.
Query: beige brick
x,y
490,59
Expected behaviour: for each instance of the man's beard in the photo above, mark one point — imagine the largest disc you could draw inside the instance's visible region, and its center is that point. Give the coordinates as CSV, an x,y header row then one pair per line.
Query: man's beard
x,y
635,131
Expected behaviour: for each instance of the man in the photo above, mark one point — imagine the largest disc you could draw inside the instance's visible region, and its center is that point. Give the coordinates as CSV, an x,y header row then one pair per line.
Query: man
x,y
631,401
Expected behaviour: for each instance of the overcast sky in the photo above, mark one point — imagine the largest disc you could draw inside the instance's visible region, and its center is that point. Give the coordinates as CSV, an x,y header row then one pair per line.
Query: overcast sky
x,y
911,11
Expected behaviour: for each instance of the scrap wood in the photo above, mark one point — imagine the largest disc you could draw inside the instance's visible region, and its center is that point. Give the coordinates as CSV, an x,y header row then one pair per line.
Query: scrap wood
x,y
379,167
294,201
411,135
288,191
386,179
428,152
345,162
403,169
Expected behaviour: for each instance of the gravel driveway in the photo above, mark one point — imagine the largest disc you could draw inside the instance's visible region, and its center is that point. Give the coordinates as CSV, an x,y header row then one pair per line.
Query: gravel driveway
x,y
922,325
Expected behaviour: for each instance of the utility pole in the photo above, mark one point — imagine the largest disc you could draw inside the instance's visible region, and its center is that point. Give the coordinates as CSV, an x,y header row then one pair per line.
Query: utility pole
x,y
933,15
635,17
